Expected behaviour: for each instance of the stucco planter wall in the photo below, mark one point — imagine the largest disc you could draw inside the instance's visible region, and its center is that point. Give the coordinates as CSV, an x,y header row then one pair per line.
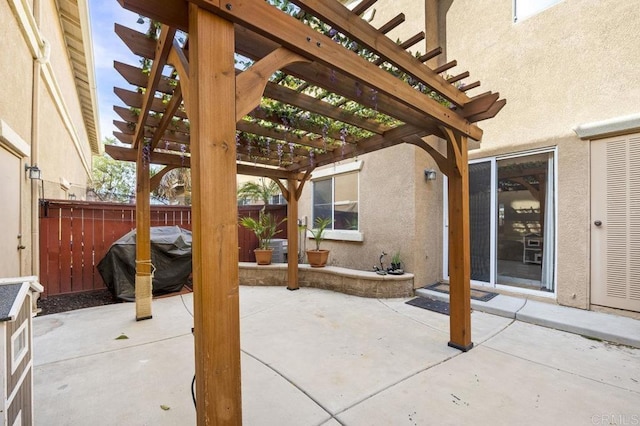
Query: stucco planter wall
x,y
343,280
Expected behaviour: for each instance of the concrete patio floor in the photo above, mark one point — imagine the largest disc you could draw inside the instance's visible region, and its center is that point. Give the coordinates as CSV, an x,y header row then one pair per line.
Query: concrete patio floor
x,y
313,357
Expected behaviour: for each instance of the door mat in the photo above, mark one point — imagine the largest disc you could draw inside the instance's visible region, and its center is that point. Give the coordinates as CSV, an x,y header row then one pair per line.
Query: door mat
x,y
430,305
481,295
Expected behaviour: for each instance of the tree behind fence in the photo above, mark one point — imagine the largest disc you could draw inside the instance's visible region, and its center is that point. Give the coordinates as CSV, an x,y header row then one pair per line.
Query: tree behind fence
x,y
76,235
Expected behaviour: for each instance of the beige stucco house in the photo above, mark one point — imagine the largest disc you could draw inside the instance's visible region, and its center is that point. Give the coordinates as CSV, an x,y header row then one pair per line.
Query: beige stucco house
x,y
554,182
48,118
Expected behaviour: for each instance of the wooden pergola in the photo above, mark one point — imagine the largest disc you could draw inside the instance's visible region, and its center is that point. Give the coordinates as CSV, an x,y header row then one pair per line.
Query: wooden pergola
x,y
313,86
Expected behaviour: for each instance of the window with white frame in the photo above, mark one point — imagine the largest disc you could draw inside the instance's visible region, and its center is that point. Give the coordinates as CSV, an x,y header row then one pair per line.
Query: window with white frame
x,y
336,196
523,9
19,346
277,199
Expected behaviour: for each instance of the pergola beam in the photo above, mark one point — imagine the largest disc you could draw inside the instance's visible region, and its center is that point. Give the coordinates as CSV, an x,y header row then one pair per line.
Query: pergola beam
x,y
311,104
134,100
302,125
256,129
392,23
127,154
442,161
144,46
363,6
305,41
390,138
258,17
253,45
162,51
176,126
150,132
155,179
250,84
178,58
172,107
336,15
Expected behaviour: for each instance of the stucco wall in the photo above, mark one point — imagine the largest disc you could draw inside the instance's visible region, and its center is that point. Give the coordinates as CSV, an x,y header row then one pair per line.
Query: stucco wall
x,y
571,64
60,62
56,147
52,147
386,206
429,221
398,211
16,64
55,139
17,69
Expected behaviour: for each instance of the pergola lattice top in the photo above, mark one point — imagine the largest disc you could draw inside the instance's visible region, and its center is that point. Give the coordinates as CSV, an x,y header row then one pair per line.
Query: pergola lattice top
x,y
328,96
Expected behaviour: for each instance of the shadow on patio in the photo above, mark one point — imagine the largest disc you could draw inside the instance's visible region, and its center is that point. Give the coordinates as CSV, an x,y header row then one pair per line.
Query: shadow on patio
x,y
314,357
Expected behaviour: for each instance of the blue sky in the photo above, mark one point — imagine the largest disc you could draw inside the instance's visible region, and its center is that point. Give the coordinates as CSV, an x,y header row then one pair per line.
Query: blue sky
x,y
108,47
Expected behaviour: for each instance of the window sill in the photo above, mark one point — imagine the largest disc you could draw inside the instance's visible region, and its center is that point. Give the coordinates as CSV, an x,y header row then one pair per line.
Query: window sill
x,y
341,235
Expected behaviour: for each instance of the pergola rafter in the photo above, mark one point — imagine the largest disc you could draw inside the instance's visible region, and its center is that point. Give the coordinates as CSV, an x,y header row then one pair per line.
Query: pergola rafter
x,y
319,86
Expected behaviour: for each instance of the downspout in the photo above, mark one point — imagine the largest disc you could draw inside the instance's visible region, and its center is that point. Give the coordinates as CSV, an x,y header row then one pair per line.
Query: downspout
x,y
43,57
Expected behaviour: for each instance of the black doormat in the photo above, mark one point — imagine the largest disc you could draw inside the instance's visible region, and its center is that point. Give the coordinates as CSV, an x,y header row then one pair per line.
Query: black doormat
x,y
430,304
481,295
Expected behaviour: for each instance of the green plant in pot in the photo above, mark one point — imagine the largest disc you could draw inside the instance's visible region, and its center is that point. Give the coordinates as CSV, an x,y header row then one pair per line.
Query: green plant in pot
x,y
265,227
318,257
396,264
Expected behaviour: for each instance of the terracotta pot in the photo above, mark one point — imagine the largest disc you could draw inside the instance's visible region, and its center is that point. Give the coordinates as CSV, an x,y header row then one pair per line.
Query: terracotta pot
x,y
317,258
263,257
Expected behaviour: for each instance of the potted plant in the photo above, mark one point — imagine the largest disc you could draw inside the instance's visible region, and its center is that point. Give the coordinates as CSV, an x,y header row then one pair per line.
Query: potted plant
x,y
396,261
396,264
265,228
318,258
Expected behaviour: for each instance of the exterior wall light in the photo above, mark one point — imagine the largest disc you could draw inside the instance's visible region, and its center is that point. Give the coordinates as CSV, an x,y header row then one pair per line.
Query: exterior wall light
x,y
71,196
429,174
33,172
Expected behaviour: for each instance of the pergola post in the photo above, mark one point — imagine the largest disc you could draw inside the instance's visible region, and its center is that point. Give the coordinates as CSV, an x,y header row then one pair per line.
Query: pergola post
x,y
215,229
144,278
459,245
292,235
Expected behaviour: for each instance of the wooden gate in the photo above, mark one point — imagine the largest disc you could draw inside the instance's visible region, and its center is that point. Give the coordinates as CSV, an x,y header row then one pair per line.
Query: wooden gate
x,y
76,235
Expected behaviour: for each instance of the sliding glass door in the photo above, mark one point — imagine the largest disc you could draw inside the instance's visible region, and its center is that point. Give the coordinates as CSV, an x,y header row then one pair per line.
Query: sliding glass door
x,y
480,220
526,221
512,221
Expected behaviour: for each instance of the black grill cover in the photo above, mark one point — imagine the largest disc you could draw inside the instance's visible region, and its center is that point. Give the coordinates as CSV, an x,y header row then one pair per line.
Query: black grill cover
x,y
170,255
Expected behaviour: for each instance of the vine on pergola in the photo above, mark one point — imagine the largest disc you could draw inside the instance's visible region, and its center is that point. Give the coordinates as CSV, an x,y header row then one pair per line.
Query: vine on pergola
x,y
277,133
320,123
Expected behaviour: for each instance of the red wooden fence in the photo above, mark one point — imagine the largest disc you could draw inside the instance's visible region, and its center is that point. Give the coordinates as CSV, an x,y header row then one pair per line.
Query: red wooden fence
x,y
76,235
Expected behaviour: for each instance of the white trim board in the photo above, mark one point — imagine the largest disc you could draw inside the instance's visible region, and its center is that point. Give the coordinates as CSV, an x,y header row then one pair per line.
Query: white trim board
x,y
337,169
611,127
10,139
